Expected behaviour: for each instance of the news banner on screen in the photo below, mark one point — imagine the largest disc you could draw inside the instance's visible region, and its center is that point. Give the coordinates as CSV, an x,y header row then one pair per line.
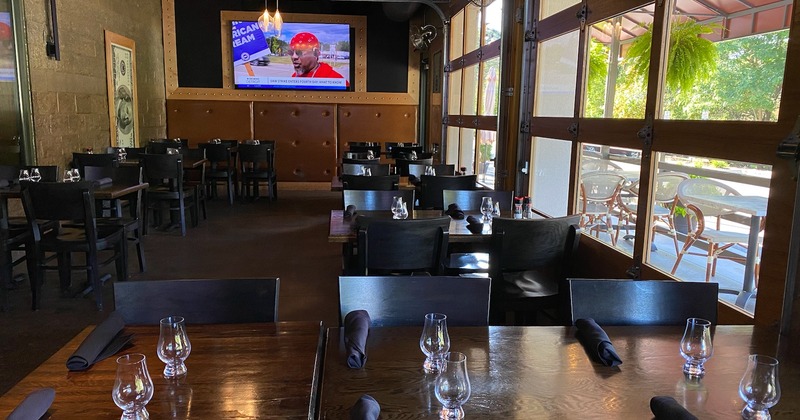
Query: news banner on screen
x,y
304,56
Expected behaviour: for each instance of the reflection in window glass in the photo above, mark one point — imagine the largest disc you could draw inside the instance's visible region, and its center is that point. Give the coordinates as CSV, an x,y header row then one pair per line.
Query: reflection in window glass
x,y
487,150
457,35
494,22
490,87
549,175
469,93
726,71
454,93
729,197
612,91
466,153
607,193
555,79
472,28
551,7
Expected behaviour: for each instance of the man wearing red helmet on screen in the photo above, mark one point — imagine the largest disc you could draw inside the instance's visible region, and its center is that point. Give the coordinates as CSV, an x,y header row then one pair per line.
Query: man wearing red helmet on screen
x,y
305,58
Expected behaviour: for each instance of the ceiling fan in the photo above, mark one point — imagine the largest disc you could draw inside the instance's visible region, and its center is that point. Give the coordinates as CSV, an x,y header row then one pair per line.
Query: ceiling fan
x,y
421,38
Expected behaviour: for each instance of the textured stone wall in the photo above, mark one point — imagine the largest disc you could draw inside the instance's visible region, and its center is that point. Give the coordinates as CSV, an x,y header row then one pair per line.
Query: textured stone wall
x,y
70,102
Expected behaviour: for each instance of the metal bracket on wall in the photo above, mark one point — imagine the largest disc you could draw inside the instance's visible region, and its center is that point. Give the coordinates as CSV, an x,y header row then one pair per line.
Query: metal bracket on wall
x,y
509,91
634,272
646,135
525,126
583,14
530,35
789,148
573,129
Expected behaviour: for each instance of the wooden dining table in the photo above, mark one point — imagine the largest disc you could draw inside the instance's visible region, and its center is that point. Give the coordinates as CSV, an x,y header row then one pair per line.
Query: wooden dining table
x,y
250,371
545,373
336,183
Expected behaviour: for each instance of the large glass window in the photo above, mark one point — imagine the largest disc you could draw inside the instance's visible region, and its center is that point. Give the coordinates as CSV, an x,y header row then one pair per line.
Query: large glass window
x,y
551,7
557,69
549,189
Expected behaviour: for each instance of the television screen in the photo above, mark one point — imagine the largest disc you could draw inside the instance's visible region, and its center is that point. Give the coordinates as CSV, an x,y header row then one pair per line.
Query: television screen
x,y
307,56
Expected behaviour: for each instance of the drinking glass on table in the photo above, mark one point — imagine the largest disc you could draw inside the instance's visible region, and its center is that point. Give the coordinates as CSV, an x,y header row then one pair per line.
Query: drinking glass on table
x,y
75,174
24,175
696,346
404,211
36,176
397,207
133,387
759,387
487,207
434,342
452,386
67,176
173,346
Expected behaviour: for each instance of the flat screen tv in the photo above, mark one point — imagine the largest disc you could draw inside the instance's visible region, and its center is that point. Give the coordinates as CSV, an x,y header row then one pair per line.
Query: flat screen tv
x,y
303,56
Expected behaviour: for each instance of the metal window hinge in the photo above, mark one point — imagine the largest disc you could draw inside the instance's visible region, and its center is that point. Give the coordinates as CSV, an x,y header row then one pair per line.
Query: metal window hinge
x,y
634,272
646,135
447,68
583,14
509,91
789,148
480,54
573,129
530,35
525,126
445,120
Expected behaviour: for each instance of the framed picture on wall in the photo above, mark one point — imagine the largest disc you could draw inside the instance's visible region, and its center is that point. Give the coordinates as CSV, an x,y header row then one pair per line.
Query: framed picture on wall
x,y
122,95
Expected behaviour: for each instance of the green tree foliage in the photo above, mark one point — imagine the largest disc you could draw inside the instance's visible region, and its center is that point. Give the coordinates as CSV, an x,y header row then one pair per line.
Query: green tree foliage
x,y
596,79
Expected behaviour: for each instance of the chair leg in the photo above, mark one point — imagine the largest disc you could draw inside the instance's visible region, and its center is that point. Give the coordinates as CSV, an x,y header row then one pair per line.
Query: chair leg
x,y
64,270
710,260
140,249
230,190
36,284
182,215
121,262
93,275
689,242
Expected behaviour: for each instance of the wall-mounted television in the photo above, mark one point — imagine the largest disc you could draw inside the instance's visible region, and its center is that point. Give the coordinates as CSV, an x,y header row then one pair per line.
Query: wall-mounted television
x,y
302,56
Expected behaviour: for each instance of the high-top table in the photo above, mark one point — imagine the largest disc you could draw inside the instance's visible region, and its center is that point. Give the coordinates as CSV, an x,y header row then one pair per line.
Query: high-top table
x,y
234,371
544,373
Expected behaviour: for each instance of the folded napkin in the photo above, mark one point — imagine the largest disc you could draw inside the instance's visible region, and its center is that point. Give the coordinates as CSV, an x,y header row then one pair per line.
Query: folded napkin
x,y
105,340
103,181
4,183
35,405
356,329
666,408
366,408
454,211
413,180
596,342
474,225
349,211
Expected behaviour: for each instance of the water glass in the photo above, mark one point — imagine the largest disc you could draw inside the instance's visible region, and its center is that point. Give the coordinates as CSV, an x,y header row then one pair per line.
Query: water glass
x,y
24,175
413,155
487,207
133,387
434,342
75,175
397,207
370,154
367,171
496,210
67,176
122,154
696,346
404,211
36,176
173,346
759,387
452,386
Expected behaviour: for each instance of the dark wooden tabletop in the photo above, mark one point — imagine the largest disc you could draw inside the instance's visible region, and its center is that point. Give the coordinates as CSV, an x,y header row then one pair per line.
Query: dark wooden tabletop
x,y
188,163
104,192
544,373
336,183
234,371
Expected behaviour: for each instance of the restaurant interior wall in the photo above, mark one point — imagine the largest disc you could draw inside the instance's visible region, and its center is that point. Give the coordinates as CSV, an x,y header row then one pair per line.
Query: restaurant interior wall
x,y
69,99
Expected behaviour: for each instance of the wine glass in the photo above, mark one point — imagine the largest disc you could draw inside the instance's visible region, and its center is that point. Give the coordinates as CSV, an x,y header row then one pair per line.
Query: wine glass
x,y
404,211
496,210
133,387
413,155
486,208
173,346
67,176
434,342
397,207
370,154
696,346
759,387
122,154
36,176
75,175
367,171
452,386
24,175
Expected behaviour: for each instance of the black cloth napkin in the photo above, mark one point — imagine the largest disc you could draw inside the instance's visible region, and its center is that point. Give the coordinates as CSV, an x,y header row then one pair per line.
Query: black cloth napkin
x,y
666,408
103,181
454,212
474,225
356,329
596,342
35,405
105,340
349,211
366,408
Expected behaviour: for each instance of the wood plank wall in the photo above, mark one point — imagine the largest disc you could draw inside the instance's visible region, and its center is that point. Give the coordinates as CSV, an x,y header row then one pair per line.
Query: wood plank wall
x,y
310,138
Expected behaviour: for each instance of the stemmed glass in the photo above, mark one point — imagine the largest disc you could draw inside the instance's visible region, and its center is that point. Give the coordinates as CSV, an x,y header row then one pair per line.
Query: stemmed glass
x,y
36,176
434,342
75,175
397,207
759,387
404,211
122,154
696,346
133,387
370,154
452,386
24,175
173,346
496,210
486,208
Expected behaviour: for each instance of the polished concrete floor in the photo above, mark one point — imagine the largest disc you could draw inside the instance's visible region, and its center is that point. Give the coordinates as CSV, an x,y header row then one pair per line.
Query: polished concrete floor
x,y
286,238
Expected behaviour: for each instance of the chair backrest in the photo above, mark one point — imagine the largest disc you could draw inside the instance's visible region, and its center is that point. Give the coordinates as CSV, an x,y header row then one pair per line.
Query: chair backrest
x,y
543,249
369,200
637,302
257,157
364,147
132,152
49,173
402,246
217,153
60,201
399,150
598,165
375,182
161,167
705,186
82,160
418,169
356,168
9,172
600,186
404,300
432,187
162,146
402,164
470,200
213,301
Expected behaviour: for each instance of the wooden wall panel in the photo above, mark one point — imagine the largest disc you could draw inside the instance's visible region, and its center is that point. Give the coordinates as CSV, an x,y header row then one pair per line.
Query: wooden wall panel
x,y
378,123
200,121
305,136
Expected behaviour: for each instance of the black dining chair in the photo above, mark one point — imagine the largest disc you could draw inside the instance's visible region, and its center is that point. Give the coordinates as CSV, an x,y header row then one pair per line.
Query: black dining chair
x,y
375,182
418,169
13,240
405,300
640,302
470,200
199,301
364,147
82,160
370,200
72,205
257,163
387,246
432,187
402,164
358,169
163,146
223,168
167,190
528,259
195,176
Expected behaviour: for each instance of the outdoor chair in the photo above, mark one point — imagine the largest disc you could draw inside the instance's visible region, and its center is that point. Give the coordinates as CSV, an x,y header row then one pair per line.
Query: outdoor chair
x,y
598,197
257,164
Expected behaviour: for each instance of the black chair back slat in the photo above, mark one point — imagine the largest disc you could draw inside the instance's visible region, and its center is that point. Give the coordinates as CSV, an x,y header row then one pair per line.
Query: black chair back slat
x,y
470,200
375,182
158,167
82,160
402,164
402,246
371,200
375,168
432,186
59,201
418,169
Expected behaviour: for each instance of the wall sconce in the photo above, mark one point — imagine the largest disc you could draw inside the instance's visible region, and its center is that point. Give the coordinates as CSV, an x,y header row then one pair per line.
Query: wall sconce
x,y
51,46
